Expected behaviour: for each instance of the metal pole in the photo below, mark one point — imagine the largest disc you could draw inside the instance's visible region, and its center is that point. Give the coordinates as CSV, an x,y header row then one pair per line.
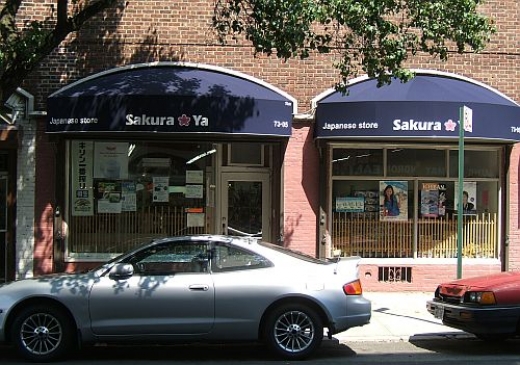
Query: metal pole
x,y
460,193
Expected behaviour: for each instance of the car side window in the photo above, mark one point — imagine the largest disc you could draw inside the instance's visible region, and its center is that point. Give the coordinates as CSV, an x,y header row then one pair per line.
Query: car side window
x,y
172,258
227,258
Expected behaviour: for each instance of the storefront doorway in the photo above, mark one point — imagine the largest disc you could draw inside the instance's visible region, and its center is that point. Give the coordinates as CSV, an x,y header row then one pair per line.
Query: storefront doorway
x,y
245,204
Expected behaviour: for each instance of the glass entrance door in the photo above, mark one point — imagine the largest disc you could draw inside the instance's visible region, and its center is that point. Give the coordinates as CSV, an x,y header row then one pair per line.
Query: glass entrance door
x,y
245,204
3,228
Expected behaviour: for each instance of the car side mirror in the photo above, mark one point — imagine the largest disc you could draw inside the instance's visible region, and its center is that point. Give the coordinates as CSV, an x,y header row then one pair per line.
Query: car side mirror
x,y
121,271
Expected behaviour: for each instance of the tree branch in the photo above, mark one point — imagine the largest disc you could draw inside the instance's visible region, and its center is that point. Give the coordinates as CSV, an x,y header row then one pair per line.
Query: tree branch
x,y
8,19
17,70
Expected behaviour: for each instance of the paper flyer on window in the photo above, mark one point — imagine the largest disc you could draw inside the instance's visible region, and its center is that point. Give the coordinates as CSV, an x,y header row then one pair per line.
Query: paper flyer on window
x,y
81,170
160,189
109,197
111,160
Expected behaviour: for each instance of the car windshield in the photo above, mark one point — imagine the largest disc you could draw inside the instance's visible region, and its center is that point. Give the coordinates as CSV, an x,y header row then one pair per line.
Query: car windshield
x,y
118,257
293,253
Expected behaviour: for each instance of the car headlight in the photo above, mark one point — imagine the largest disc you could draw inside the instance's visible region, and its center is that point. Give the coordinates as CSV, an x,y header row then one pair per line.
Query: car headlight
x,y
481,297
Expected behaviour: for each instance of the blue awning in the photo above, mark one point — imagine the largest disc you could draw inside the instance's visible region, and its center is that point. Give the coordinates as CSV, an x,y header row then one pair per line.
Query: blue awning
x,y
170,98
425,107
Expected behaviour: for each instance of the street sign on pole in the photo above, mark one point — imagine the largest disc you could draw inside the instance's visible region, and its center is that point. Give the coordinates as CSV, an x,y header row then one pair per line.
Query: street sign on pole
x,y
468,119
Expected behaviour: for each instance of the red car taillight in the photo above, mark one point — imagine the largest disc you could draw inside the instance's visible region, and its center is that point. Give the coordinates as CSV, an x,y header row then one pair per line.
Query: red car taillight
x,y
353,288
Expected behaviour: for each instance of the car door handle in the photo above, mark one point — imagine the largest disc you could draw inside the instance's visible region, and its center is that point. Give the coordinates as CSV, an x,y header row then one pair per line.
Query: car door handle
x,y
199,287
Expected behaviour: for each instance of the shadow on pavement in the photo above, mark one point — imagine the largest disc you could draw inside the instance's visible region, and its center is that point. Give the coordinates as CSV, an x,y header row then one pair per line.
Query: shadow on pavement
x,y
457,343
229,353
385,311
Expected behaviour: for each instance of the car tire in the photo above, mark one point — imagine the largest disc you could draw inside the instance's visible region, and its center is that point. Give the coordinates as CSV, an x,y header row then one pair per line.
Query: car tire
x,y
42,333
293,331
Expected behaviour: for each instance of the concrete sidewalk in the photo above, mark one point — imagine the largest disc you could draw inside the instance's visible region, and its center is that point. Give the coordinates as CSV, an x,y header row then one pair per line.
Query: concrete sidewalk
x,y
399,316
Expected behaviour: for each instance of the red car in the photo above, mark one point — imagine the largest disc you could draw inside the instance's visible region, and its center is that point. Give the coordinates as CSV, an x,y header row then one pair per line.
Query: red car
x,y
486,306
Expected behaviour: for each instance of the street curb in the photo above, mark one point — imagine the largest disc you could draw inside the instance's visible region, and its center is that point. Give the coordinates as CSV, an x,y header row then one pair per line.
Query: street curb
x,y
403,338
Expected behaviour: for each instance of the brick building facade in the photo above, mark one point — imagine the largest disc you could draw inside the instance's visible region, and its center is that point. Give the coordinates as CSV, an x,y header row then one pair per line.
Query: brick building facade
x,y
141,32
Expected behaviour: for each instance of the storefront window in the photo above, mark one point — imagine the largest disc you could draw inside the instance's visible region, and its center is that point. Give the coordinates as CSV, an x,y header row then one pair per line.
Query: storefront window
x,y
121,193
417,216
373,218
357,162
477,164
385,200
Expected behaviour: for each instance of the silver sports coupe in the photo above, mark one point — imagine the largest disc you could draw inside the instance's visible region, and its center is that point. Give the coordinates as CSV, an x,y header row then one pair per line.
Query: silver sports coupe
x,y
188,289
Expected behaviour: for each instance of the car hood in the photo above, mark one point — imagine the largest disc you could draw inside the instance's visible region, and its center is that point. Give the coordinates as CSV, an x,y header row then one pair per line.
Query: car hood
x,y
52,285
487,282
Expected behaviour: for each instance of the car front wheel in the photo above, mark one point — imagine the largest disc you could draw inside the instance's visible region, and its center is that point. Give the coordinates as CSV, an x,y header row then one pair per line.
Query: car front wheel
x,y
42,333
293,331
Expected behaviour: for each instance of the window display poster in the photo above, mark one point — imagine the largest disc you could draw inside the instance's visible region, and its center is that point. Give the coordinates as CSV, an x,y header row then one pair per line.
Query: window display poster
x,y
109,197
160,189
393,200
194,191
111,160
128,196
433,200
194,176
469,197
350,204
195,219
81,171
442,199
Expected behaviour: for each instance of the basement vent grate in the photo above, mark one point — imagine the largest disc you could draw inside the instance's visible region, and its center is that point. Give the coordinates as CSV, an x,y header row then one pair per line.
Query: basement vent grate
x,y
393,274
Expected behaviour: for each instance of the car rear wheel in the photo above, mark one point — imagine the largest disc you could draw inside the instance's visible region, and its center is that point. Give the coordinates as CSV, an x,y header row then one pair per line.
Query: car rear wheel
x,y
42,333
293,331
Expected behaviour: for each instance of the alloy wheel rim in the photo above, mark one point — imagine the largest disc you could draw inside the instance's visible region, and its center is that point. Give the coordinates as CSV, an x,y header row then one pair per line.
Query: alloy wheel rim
x,y
41,333
294,331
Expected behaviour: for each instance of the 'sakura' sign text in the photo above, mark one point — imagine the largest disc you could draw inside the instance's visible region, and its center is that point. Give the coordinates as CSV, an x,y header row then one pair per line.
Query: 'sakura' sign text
x,y
182,121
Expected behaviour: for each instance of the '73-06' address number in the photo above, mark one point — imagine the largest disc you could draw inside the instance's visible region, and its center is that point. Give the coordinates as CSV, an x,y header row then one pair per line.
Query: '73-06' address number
x,y
280,124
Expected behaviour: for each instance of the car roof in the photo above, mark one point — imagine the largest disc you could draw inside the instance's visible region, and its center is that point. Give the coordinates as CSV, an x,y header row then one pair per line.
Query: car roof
x,y
205,237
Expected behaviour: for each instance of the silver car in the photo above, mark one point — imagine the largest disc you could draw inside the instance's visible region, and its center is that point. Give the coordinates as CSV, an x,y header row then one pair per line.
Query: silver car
x,y
188,289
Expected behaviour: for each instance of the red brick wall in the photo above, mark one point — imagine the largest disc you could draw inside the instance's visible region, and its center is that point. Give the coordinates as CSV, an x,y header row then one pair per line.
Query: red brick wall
x,y
44,202
168,30
425,276
513,239
301,194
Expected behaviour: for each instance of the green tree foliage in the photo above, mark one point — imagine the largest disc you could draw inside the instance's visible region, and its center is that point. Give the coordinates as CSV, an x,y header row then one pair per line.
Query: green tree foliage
x,y
375,36
372,36
24,44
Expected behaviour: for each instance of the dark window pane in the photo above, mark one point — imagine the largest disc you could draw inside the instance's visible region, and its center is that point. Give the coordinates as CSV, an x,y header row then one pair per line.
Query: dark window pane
x,y
416,162
477,164
357,162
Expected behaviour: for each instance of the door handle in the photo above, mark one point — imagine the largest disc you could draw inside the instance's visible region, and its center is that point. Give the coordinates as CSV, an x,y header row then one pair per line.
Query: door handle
x,y
199,287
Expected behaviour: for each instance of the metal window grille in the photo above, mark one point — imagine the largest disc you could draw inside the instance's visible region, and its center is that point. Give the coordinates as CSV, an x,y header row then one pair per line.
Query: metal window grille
x,y
395,274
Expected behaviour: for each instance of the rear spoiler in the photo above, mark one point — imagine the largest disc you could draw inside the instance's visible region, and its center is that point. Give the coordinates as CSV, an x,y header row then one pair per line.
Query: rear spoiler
x,y
339,259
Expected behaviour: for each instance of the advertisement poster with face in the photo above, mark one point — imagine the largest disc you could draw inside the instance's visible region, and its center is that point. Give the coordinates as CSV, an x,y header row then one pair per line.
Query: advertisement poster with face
x,y
393,200
469,198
